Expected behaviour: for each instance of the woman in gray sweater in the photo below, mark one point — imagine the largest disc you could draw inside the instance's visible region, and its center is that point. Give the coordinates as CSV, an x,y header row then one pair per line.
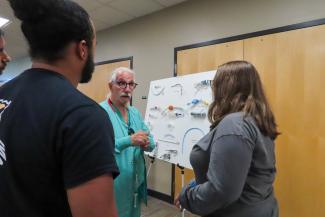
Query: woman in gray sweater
x,y
234,164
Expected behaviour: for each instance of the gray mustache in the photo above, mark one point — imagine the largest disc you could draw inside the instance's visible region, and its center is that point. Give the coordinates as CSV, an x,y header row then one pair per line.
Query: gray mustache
x,y
126,94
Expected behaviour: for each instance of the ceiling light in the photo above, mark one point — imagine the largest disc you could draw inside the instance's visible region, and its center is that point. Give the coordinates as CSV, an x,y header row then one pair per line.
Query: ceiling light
x,y
3,22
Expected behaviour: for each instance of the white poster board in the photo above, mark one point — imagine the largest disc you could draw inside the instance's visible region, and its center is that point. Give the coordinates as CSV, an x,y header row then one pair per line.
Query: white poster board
x,y
176,115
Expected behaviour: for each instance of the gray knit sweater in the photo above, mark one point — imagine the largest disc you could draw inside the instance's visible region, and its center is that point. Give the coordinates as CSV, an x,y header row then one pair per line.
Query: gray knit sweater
x,y
234,167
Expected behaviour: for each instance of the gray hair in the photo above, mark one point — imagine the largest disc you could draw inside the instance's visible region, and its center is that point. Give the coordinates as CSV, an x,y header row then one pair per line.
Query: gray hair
x,y
119,70
2,33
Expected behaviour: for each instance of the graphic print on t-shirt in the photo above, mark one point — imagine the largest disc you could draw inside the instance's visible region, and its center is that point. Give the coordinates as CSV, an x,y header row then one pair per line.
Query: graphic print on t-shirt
x,y
2,153
3,105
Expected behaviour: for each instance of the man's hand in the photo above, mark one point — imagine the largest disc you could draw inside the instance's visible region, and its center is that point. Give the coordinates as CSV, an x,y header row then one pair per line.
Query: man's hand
x,y
141,139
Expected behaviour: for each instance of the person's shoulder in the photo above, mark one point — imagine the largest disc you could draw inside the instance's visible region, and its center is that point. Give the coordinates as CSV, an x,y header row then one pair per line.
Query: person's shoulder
x,y
70,99
86,110
73,97
106,107
103,103
232,120
134,111
238,118
54,87
237,123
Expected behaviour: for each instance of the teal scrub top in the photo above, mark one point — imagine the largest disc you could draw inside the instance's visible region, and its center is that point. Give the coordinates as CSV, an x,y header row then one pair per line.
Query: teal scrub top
x,y
130,186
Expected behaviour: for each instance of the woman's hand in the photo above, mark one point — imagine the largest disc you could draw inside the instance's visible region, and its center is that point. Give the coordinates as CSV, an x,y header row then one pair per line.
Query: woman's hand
x,y
177,203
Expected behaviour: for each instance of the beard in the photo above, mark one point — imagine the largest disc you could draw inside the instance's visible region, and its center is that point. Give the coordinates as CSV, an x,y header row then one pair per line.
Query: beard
x,y
88,69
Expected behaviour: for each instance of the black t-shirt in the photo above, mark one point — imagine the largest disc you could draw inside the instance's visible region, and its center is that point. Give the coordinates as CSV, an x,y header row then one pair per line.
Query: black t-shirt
x,y
52,138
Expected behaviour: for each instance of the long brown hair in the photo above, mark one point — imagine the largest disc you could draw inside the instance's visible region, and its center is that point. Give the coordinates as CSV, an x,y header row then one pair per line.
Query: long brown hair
x,y
237,87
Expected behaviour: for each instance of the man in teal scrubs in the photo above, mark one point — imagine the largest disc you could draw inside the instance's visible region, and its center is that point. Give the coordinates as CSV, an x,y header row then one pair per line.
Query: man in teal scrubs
x,y
132,138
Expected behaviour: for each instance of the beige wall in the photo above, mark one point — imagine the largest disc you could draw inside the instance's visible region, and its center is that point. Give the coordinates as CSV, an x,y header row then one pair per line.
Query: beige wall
x,y
151,41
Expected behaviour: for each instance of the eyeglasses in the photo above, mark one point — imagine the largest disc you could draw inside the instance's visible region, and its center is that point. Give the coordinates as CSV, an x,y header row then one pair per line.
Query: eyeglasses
x,y
130,131
123,84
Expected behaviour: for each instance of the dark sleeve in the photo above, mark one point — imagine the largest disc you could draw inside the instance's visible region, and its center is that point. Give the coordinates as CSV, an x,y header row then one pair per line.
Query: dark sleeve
x,y
87,150
230,160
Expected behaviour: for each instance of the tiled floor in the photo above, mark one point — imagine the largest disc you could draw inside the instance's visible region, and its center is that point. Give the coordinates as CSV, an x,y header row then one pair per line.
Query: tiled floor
x,y
158,208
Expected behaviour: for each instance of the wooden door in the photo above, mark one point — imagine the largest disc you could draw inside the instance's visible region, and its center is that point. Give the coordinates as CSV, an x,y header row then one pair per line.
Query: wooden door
x,y
292,67
199,60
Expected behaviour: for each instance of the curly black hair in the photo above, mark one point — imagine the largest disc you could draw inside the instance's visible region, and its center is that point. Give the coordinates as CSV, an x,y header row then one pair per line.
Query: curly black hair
x,y
50,25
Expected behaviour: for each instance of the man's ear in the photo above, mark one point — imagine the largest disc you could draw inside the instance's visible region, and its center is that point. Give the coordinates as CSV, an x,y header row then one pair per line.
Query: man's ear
x,y
82,50
110,85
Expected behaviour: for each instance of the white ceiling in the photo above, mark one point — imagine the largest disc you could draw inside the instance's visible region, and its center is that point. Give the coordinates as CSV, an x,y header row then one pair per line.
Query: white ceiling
x,y
104,13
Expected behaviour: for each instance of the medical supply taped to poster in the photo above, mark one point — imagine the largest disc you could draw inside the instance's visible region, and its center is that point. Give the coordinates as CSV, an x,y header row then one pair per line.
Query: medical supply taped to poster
x,y
177,115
